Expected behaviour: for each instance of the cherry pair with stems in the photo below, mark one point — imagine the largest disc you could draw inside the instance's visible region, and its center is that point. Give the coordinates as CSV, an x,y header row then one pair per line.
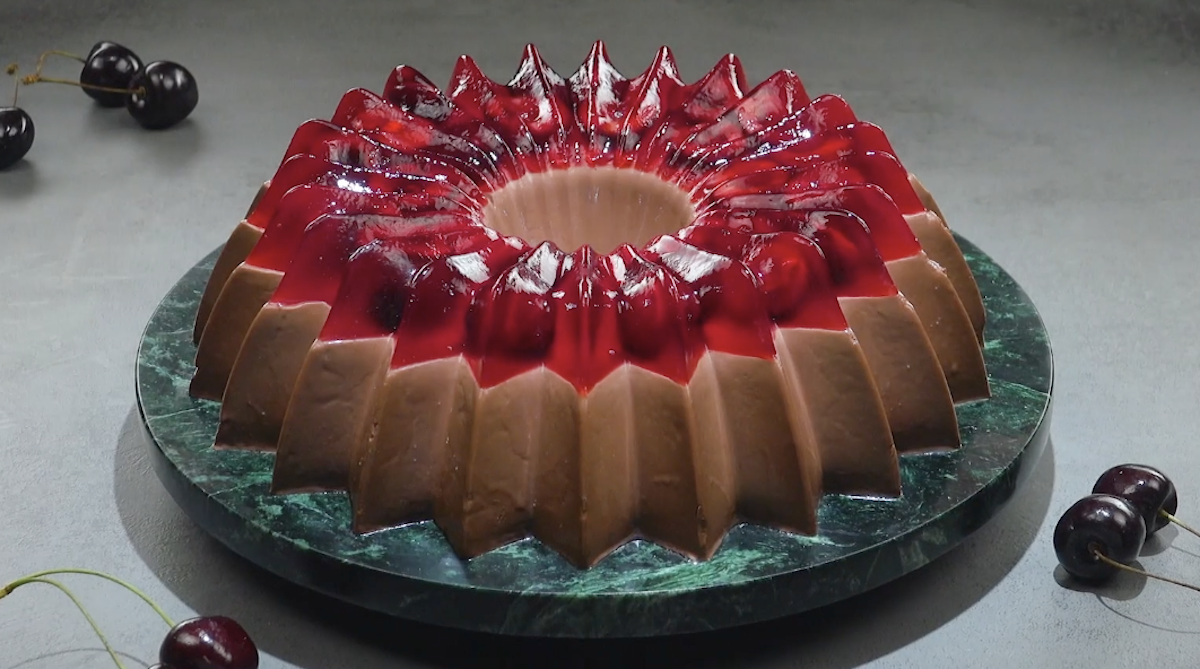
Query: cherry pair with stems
x,y
157,95
1101,533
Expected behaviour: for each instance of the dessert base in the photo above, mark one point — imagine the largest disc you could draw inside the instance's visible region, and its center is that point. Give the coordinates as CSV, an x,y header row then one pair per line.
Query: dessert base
x,y
640,590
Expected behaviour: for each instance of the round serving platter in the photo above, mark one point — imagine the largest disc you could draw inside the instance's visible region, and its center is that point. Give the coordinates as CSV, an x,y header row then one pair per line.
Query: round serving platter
x,y
640,590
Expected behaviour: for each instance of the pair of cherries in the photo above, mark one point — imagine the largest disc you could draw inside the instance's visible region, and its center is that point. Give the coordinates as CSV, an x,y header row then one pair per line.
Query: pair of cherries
x,y
157,95
1104,532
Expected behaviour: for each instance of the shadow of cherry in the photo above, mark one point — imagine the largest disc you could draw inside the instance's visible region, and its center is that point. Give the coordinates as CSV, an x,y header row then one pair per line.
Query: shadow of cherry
x,y
167,149
1159,542
20,180
1122,587
311,630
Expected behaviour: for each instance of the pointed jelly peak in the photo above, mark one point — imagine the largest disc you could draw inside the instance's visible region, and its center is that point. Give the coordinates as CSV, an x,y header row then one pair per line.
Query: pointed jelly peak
x,y
535,68
596,72
787,90
584,258
729,71
624,263
413,92
539,270
598,57
664,65
720,89
467,77
599,93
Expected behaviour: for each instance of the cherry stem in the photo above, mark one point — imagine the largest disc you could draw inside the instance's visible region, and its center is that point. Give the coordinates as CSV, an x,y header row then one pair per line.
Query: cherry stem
x,y
89,572
1180,523
57,52
78,604
12,69
36,78
37,71
1133,570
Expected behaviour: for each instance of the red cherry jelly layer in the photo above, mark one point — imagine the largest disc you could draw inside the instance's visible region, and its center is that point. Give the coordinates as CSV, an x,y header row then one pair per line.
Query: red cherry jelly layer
x,y
379,280
304,204
854,266
364,111
542,99
732,315
798,287
649,94
585,306
413,93
379,213
693,107
655,313
600,93
775,99
371,151
319,262
440,318
890,233
774,165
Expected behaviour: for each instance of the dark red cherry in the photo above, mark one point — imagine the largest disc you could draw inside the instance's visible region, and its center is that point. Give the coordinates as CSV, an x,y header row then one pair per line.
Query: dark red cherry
x,y
16,135
164,94
1146,487
1106,524
110,65
208,642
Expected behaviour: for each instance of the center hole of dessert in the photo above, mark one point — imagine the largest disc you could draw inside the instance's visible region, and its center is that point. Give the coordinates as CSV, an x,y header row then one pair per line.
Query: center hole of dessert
x,y
603,207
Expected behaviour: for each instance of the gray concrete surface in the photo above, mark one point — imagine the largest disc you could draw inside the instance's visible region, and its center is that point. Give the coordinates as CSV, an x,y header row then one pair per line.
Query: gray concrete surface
x,y
1065,142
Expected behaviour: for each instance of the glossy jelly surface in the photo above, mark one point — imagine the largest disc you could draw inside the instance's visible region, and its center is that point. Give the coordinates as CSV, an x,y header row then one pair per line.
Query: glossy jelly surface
x,y
443,217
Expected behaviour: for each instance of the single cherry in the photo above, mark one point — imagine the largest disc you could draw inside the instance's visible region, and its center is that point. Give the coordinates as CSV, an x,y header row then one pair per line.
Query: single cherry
x,y
109,65
208,642
162,94
1104,524
1147,488
16,135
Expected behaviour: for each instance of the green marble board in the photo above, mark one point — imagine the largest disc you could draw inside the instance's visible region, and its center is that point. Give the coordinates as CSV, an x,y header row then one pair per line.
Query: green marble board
x,y
641,589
